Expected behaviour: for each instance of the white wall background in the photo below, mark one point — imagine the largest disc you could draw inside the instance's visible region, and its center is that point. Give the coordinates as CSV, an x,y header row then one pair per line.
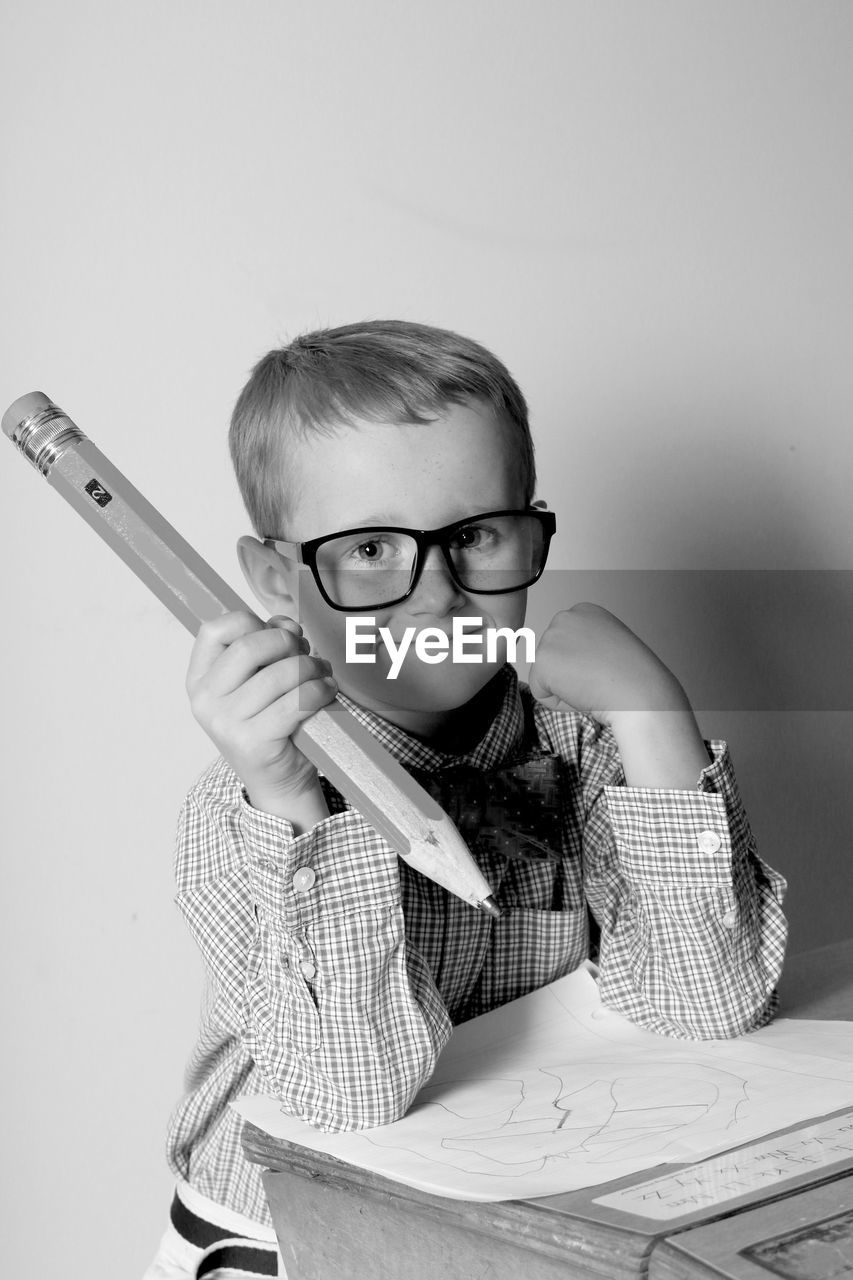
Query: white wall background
x,y
644,208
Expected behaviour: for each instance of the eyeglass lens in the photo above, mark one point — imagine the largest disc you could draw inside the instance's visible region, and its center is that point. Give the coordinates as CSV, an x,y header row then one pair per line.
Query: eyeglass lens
x,y
498,553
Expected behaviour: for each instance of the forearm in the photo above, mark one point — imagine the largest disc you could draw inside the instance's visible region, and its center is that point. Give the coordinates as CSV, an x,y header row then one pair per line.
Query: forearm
x,y
305,937
329,975
693,935
703,965
663,750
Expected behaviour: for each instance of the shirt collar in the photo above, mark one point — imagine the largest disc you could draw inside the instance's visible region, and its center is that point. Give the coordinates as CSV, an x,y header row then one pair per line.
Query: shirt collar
x,y
503,738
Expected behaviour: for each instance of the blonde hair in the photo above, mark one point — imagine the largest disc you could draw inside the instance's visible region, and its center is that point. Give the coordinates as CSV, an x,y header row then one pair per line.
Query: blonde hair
x,y
378,370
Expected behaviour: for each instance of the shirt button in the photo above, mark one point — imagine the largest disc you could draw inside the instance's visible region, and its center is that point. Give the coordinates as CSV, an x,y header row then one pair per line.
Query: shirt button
x,y
303,879
307,969
708,842
729,918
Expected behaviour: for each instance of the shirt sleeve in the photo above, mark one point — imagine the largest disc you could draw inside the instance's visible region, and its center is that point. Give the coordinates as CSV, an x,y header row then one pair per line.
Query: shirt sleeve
x,y
305,938
692,931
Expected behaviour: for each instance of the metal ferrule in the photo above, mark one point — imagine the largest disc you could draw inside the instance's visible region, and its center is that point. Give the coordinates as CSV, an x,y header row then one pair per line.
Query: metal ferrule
x,y
44,436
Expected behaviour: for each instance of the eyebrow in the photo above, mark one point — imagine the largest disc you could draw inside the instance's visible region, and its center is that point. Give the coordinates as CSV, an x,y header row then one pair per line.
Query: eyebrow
x,y
383,520
379,519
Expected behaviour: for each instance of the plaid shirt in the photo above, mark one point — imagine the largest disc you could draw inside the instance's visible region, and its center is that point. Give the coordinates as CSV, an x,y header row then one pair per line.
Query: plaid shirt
x,y
336,973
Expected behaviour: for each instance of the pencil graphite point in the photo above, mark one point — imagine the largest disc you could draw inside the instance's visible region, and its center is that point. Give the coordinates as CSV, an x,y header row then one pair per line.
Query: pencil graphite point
x,y
491,907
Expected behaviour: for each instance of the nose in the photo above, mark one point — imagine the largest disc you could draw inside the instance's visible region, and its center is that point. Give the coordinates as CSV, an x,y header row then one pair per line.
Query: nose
x,y
436,592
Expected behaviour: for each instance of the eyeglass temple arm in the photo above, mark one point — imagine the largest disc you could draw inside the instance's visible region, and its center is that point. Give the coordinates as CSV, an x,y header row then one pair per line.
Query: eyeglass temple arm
x,y
290,550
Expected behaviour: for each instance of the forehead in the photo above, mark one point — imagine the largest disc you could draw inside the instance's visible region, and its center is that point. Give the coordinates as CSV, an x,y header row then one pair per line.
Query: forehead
x,y
423,475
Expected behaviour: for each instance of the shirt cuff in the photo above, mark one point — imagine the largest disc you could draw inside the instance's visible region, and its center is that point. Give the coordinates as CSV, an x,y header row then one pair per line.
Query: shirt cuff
x,y
679,836
339,867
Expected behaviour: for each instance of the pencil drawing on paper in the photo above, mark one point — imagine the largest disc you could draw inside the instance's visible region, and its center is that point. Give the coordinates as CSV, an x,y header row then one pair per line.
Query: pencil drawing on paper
x,y
540,1096
601,1112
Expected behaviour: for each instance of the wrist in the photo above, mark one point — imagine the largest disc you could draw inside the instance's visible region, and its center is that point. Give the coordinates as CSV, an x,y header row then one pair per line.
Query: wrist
x,y
663,750
303,808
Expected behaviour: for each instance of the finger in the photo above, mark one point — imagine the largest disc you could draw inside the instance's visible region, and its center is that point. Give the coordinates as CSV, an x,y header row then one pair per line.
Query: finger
x,y
283,717
248,654
285,623
544,694
270,683
215,636
554,702
539,690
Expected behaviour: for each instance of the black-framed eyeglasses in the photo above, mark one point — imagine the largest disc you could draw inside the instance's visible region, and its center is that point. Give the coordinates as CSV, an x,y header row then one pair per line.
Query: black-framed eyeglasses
x,y
367,568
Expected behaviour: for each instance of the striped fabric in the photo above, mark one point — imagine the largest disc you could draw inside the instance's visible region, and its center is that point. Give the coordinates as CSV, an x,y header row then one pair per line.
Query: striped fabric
x,y
204,1239
335,989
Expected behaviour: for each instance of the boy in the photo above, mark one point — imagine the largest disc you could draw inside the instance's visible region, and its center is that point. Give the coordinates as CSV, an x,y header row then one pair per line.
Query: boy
x,y
336,972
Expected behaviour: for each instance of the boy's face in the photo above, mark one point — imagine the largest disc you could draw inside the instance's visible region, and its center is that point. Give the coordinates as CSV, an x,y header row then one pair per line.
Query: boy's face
x,y
420,477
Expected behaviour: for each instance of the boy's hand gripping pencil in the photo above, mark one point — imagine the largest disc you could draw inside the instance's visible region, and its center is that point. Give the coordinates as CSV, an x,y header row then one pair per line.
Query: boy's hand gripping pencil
x,y
333,740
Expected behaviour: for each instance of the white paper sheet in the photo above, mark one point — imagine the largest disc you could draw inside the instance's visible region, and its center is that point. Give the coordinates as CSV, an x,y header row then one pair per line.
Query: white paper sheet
x,y
553,1093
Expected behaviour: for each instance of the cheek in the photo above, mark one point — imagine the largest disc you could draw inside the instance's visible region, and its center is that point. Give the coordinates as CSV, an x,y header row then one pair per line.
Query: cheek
x,y
328,642
504,611
328,633
508,613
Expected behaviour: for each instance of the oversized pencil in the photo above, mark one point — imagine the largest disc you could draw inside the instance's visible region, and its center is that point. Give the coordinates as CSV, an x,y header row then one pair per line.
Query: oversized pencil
x,y
333,740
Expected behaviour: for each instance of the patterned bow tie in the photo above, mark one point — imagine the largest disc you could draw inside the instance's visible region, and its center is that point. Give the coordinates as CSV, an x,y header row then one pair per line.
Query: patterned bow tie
x,y
516,809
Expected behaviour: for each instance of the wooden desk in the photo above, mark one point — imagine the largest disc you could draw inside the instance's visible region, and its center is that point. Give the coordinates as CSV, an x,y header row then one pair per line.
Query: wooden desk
x,y
337,1222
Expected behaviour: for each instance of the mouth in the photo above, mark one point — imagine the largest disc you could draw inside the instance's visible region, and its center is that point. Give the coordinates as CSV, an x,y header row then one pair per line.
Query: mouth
x,y
447,628
465,640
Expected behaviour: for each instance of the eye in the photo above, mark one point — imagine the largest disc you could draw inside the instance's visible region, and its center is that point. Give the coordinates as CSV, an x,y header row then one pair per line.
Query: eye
x,y
472,536
377,551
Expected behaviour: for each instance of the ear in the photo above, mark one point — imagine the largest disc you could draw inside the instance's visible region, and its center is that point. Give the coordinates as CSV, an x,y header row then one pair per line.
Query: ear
x,y
269,574
540,504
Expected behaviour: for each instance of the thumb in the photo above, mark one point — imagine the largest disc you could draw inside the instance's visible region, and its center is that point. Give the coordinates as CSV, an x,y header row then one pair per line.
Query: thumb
x,y
545,696
540,691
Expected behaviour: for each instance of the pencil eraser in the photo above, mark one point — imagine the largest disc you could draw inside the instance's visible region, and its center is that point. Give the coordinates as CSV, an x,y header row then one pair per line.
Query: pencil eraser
x,y
24,407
